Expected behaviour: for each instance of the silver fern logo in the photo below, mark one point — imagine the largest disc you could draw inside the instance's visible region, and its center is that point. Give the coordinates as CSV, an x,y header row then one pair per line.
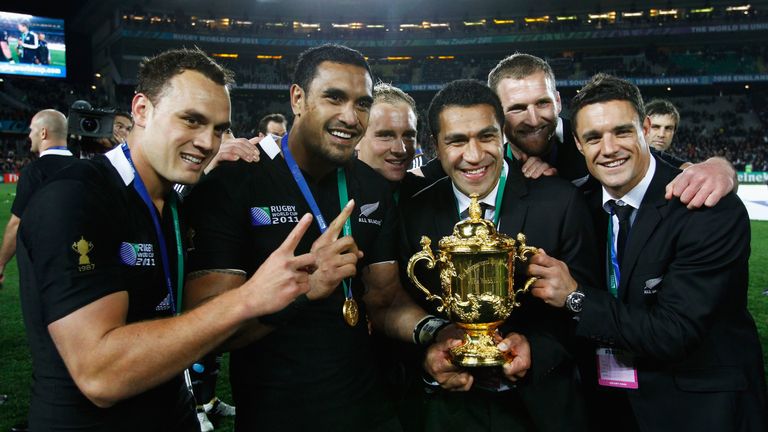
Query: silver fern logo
x,y
366,210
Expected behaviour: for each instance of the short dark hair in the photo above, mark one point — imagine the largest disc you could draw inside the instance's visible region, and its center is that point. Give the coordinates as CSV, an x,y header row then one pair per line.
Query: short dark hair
x,y
519,66
603,88
277,118
462,93
157,71
309,60
662,107
125,114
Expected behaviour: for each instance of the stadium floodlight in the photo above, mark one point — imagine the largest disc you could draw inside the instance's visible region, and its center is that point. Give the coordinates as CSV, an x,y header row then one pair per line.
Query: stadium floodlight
x,y
543,19
742,8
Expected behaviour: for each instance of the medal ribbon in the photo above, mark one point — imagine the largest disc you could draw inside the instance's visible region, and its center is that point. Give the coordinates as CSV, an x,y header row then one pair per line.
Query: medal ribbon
x,y
341,181
141,189
614,272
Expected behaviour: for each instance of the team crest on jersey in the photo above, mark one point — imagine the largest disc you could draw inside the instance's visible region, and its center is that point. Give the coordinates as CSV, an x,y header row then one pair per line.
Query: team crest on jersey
x,y
137,254
366,210
83,247
274,215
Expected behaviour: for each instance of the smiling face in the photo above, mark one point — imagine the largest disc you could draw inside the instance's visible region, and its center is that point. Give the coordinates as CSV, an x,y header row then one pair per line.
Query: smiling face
x,y
181,131
332,114
662,131
611,138
388,144
531,106
469,147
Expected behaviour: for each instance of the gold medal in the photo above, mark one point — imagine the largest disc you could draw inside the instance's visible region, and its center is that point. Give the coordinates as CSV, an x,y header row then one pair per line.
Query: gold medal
x,y
351,312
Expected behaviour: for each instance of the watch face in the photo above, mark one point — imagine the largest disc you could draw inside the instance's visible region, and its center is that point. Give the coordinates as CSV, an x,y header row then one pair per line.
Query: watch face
x,y
574,301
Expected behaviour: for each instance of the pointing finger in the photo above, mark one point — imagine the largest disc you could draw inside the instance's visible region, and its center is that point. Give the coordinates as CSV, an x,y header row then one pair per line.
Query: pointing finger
x,y
334,229
294,237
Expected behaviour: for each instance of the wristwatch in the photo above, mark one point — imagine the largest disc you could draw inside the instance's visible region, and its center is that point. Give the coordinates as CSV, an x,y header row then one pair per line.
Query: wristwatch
x,y
575,301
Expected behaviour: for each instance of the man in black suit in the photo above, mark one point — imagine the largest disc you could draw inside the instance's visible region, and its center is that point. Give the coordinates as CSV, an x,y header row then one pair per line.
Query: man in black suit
x,y
535,390
677,349
540,138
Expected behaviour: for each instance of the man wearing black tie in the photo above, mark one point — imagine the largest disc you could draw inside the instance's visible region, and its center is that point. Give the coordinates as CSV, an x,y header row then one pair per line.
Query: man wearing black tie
x,y
535,390
676,348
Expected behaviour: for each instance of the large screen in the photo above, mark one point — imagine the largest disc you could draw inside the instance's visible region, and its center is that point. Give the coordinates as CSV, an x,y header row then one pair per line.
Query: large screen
x,y
32,45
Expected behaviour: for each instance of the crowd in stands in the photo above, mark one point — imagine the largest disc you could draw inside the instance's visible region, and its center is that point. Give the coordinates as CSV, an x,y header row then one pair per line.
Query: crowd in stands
x,y
652,62
713,128
735,127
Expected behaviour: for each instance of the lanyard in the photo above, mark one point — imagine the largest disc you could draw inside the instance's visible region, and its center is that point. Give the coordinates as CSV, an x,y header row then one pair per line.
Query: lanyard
x,y
58,148
614,273
499,198
141,189
341,182
303,186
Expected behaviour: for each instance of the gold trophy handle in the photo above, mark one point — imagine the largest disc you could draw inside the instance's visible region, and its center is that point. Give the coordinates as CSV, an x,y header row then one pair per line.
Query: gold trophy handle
x,y
424,254
523,253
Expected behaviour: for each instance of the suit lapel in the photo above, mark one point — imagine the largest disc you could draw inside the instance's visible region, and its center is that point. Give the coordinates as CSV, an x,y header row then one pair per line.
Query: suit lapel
x,y
652,210
513,208
446,215
600,222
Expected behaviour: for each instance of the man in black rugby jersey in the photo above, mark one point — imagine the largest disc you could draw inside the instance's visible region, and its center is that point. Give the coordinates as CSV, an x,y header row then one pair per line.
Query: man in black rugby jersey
x,y
310,365
99,290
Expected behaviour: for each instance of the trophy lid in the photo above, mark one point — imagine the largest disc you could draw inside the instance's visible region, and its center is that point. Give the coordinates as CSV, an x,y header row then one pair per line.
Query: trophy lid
x,y
476,234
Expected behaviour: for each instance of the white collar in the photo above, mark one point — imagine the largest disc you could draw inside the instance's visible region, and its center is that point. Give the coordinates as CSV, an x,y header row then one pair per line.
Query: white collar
x,y
635,196
490,199
122,165
57,152
559,130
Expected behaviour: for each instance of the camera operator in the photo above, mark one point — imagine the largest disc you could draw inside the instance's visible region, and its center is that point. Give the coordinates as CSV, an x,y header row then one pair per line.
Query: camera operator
x,y
98,131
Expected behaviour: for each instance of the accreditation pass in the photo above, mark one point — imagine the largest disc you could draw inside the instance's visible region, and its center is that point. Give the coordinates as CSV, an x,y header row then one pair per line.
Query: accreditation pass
x,y
615,368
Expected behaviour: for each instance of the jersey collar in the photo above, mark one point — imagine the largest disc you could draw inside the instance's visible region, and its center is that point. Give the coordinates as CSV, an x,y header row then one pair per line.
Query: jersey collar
x,y
120,162
57,152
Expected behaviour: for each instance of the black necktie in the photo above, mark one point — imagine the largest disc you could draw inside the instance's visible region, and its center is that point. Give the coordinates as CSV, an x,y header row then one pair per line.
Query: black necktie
x,y
483,208
623,212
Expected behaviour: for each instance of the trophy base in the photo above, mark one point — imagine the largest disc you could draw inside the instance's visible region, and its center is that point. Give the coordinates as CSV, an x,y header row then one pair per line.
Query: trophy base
x,y
479,348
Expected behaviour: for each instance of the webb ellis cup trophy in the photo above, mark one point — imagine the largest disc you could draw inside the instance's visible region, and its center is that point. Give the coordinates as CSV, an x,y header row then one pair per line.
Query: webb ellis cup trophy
x,y
477,267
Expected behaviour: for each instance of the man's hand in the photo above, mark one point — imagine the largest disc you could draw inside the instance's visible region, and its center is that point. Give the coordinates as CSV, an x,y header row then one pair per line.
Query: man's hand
x,y
516,348
336,257
234,149
534,167
283,276
438,364
554,279
704,183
